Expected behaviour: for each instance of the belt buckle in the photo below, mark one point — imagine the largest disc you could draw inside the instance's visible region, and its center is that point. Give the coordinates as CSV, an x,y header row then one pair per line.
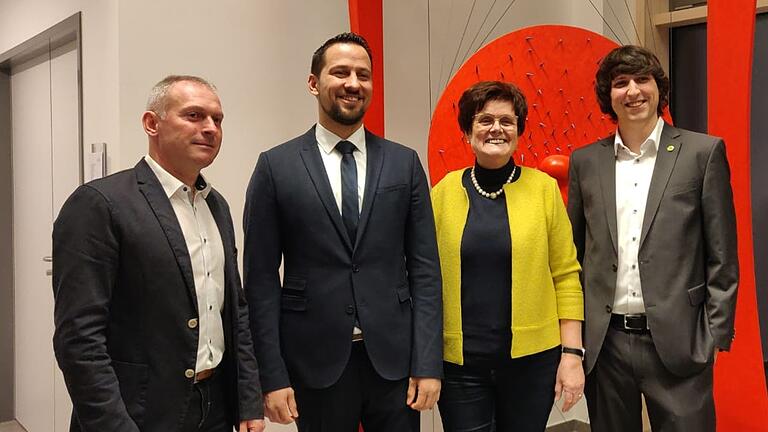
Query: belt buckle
x,y
626,323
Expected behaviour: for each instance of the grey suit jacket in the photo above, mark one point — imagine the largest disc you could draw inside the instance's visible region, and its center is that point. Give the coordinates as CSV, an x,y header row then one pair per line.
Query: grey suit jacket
x,y
687,256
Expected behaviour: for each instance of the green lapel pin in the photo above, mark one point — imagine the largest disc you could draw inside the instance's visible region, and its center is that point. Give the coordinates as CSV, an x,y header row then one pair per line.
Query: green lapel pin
x,y
670,148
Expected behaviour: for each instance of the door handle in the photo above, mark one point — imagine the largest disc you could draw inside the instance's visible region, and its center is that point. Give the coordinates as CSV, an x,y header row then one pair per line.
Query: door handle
x,y
48,259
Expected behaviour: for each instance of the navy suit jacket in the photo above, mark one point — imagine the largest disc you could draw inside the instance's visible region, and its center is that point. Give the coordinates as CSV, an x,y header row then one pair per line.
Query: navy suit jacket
x,y
124,295
389,275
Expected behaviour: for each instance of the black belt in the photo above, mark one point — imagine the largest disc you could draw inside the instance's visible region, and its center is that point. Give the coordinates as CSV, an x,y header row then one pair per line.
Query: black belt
x,y
632,323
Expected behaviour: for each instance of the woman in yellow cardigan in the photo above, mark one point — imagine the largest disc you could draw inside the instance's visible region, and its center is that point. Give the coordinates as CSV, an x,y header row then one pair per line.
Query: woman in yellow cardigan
x,y
512,299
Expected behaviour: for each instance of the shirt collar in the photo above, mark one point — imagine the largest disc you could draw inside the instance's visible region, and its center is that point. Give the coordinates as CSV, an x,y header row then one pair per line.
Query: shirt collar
x,y
327,140
652,140
171,185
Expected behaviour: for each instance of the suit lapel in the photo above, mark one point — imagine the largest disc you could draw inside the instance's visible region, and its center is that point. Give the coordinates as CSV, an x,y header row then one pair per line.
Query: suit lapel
x,y
665,162
375,161
153,192
607,167
310,155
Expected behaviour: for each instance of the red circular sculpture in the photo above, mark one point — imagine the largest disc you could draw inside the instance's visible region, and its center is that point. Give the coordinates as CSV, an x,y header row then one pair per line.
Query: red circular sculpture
x,y
555,67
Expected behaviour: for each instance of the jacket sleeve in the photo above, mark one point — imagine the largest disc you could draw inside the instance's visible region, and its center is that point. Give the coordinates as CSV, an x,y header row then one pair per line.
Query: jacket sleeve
x,y
261,263
719,222
562,259
85,262
423,266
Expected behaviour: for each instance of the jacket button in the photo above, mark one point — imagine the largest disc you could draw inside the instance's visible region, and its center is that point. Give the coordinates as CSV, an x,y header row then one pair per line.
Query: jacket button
x,y
614,267
192,323
189,373
350,310
608,308
355,268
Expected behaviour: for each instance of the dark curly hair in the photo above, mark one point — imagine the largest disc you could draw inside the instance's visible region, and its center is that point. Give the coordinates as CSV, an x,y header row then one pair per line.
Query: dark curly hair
x,y
629,60
318,58
475,97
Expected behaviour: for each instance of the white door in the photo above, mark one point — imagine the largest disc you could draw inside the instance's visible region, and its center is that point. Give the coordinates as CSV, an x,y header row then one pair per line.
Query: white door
x,y
44,133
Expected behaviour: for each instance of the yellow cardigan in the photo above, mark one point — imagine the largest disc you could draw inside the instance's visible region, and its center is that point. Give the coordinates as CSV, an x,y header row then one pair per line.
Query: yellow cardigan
x,y
545,272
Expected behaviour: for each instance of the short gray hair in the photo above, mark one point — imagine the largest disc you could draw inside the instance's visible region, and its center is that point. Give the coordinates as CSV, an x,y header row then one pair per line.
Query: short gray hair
x,y
157,97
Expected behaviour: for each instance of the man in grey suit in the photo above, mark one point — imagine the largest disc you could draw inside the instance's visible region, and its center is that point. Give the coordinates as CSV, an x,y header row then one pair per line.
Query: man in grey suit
x,y
655,230
354,330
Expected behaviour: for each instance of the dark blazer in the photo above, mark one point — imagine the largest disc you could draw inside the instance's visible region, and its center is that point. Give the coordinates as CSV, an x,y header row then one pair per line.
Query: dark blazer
x,y
687,255
389,275
125,295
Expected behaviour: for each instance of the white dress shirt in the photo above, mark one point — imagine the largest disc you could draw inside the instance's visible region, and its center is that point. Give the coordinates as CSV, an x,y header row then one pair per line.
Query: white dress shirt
x,y
206,252
633,179
327,141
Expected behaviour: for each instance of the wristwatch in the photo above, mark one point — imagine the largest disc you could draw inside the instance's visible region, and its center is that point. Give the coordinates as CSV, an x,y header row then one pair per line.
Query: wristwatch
x,y
575,351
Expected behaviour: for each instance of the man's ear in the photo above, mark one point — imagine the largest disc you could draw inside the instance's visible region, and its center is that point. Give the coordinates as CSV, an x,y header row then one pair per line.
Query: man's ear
x,y
312,84
150,120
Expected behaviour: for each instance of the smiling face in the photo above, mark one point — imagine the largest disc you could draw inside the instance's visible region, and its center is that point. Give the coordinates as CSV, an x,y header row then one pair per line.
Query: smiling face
x,y
635,99
343,88
188,136
494,134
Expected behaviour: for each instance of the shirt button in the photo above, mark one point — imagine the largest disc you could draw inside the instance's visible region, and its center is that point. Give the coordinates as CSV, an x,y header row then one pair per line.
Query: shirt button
x,y
355,268
208,274
210,307
634,211
205,240
634,238
350,310
192,323
633,266
189,373
185,189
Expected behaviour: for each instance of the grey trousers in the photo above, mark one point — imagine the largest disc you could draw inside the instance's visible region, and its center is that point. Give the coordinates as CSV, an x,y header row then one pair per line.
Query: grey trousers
x,y
628,365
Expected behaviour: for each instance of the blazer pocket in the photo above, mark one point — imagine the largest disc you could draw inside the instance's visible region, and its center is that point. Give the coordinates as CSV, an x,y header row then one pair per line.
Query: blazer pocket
x,y
404,295
697,294
293,303
133,379
293,285
683,188
391,188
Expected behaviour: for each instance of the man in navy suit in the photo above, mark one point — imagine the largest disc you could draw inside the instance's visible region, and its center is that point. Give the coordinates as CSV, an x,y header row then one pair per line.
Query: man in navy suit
x,y
354,331
151,321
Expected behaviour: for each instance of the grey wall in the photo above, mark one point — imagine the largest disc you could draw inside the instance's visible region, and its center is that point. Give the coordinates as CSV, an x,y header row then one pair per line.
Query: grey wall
x,y
759,159
688,71
6,259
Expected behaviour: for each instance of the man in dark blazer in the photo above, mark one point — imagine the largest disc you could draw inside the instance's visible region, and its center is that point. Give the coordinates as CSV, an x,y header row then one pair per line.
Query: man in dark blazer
x,y
151,321
354,331
655,230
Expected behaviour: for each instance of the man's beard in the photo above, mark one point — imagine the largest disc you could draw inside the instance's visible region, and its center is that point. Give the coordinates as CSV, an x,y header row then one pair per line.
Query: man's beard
x,y
345,118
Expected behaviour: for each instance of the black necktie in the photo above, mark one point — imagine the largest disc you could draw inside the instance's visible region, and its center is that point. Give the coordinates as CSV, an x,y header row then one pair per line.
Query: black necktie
x,y
349,199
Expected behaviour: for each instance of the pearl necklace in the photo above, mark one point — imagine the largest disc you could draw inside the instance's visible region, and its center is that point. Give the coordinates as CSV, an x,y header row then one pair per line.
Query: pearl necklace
x,y
490,195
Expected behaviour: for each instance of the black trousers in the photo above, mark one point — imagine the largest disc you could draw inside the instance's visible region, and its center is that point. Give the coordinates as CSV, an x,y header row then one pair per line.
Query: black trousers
x,y
515,396
359,396
207,408
629,365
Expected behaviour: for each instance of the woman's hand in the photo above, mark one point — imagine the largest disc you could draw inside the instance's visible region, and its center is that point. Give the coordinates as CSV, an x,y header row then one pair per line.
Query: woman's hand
x,y
569,383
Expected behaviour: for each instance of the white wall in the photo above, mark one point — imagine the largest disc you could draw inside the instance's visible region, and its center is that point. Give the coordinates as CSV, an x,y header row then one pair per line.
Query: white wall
x,y
258,52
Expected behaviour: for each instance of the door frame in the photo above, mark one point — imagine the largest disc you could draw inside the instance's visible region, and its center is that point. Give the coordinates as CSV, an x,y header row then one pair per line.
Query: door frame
x,y
63,33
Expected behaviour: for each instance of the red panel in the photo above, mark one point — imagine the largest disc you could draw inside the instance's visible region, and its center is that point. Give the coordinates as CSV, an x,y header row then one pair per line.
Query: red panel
x,y
555,67
365,18
740,394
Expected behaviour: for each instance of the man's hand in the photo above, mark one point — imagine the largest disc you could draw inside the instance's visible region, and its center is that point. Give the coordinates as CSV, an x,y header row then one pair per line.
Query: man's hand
x,y
280,406
251,426
570,381
423,393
